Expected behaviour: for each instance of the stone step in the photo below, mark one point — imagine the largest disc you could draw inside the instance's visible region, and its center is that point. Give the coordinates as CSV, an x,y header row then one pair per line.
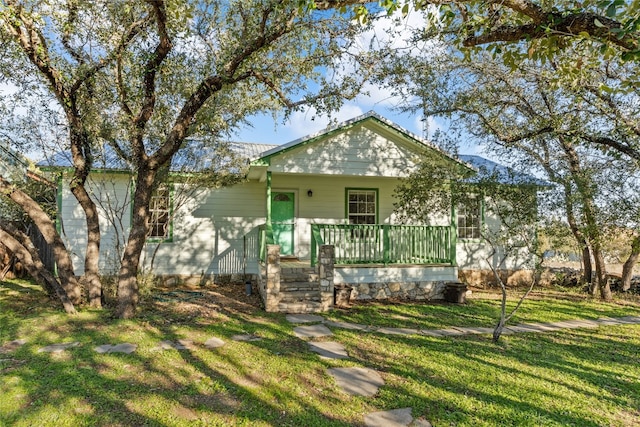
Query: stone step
x,y
298,277
290,270
302,296
299,286
300,307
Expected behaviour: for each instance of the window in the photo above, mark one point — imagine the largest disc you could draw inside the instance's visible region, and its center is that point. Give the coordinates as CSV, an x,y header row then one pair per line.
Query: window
x,y
470,219
160,214
362,206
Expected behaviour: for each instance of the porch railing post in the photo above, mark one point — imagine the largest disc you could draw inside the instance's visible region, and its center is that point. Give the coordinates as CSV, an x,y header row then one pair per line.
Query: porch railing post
x,y
385,244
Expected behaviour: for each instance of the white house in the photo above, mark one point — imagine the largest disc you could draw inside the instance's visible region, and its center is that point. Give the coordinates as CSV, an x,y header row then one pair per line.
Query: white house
x,y
331,189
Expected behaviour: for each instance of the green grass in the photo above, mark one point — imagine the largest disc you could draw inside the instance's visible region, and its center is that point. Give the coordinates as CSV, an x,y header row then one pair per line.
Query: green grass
x,y
576,377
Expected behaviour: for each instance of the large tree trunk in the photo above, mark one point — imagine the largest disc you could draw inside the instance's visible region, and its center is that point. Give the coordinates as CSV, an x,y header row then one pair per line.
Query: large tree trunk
x,y
91,278
82,161
22,247
627,268
128,294
601,275
48,230
587,267
584,185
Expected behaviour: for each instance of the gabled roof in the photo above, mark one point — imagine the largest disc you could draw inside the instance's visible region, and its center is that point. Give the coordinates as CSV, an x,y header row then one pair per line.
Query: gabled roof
x,y
201,157
341,127
197,158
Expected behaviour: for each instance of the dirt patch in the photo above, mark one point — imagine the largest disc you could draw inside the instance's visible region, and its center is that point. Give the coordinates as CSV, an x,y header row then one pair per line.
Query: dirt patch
x,y
211,301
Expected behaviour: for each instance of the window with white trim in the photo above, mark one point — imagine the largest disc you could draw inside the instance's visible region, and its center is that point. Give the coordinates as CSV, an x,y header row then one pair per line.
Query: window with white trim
x,y
160,214
470,219
362,206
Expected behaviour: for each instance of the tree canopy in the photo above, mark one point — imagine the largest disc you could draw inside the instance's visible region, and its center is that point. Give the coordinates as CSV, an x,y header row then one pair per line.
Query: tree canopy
x,y
141,77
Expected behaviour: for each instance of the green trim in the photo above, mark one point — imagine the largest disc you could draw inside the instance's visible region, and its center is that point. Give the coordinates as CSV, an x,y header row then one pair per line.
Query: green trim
x,y
346,201
268,216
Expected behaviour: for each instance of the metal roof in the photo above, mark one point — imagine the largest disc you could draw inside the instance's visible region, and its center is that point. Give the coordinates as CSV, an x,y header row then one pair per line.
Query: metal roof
x,y
200,157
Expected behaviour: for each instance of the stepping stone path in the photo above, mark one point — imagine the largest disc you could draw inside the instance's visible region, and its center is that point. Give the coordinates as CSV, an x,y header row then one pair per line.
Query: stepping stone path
x,y
397,331
312,331
304,318
246,338
58,348
214,343
365,382
176,345
395,418
117,348
329,349
357,381
12,345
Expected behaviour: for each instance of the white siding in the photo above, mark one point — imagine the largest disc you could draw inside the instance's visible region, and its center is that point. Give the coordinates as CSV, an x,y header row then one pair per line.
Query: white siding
x,y
213,229
328,202
112,195
361,151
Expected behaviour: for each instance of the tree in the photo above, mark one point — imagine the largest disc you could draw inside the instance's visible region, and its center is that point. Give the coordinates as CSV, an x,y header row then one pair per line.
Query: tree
x,y
522,114
142,77
522,28
509,201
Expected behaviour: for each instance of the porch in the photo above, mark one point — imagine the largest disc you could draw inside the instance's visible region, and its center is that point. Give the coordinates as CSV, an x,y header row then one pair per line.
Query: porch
x,y
383,244
378,261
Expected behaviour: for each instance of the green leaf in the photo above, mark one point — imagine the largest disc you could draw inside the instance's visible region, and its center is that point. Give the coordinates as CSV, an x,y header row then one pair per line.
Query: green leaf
x,y
598,23
611,11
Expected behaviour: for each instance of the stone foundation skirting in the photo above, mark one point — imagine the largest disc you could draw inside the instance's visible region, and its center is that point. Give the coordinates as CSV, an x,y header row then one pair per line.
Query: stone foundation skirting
x,y
412,291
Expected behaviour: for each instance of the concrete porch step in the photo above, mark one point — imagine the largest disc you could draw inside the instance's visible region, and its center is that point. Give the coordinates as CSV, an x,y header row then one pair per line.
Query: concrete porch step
x,y
300,307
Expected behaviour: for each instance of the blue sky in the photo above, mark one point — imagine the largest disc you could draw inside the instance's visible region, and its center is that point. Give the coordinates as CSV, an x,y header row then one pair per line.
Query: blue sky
x,y
384,32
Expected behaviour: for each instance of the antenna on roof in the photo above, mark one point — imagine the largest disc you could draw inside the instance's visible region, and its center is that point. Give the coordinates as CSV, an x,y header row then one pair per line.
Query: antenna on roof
x,y
425,121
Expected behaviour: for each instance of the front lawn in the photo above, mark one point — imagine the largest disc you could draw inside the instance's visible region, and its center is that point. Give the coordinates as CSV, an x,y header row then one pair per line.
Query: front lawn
x,y
574,377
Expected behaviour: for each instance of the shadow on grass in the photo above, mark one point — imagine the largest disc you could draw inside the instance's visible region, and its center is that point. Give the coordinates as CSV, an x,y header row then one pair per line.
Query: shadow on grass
x,y
531,379
274,381
563,378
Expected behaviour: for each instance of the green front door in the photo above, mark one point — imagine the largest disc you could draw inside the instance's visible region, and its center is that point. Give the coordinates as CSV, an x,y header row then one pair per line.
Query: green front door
x,y
282,220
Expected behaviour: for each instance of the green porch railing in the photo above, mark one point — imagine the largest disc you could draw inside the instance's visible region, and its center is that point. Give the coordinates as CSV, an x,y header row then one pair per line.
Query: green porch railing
x,y
266,238
386,244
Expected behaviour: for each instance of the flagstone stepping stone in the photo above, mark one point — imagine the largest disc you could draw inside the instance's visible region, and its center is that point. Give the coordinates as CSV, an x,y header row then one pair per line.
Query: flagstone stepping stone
x,y
58,348
525,328
304,318
397,331
312,331
630,319
431,333
176,345
347,325
451,332
246,338
393,418
543,327
329,349
12,345
476,330
214,343
608,321
117,348
571,324
357,381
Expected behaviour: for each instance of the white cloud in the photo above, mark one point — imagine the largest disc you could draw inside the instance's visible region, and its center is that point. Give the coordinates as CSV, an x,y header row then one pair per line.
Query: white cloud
x,y
303,123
